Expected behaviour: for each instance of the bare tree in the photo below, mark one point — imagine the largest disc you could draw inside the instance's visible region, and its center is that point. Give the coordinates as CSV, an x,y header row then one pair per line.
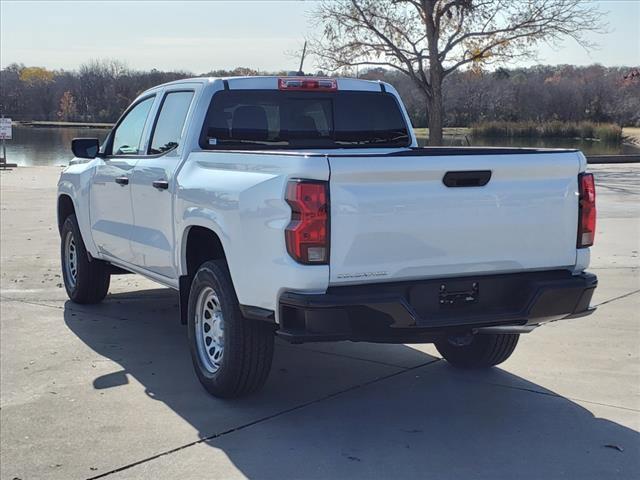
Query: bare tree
x,y
429,39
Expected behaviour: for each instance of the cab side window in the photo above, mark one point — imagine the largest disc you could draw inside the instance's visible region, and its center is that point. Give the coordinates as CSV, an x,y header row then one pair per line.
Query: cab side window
x,y
127,137
167,133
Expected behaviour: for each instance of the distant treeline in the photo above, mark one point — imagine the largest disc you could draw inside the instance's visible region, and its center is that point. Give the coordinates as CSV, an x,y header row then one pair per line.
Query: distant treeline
x,y
540,94
100,90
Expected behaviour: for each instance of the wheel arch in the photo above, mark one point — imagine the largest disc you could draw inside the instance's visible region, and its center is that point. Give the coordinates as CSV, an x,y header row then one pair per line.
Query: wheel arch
x,y
64,209
198,244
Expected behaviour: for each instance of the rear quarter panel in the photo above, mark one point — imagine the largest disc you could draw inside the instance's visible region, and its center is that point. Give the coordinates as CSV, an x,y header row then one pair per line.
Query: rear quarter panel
x,y
240,197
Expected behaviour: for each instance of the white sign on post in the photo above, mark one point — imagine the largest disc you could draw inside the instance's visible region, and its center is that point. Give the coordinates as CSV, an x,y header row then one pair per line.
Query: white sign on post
x,y
5,129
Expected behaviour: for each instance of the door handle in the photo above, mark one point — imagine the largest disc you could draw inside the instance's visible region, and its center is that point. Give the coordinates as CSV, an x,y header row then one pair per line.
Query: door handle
x,y
160,184
469,178
122,181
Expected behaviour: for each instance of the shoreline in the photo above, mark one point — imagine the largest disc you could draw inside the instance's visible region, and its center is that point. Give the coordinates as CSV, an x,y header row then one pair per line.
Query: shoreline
x,y
54,124
628,159
630,135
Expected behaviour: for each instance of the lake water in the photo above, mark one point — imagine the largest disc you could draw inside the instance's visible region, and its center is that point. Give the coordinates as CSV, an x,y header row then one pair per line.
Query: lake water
x,y
46,146
52,146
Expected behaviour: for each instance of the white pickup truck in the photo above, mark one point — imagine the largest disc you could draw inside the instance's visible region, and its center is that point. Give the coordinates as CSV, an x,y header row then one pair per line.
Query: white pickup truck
x,y
303,208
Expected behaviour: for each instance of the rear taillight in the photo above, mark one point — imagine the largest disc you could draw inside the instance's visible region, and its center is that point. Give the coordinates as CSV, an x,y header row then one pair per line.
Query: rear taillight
x,y
587,210
315,84
307,235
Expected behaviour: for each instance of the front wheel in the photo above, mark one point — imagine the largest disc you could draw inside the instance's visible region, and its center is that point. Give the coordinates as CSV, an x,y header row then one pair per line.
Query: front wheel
x,y
231,354
477,351
86,281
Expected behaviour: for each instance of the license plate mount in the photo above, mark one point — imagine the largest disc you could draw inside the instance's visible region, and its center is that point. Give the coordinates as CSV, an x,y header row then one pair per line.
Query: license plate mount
x,y
458,296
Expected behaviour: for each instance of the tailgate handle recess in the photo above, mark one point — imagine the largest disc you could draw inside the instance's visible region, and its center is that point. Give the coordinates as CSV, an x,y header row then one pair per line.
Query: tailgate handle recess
x,y
468,178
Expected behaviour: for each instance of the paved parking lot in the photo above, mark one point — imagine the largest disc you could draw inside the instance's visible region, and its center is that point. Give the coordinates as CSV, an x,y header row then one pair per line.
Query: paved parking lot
x,y
108,390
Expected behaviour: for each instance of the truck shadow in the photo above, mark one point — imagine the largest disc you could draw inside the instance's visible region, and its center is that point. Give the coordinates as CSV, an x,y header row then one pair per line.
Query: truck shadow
x,y
332,415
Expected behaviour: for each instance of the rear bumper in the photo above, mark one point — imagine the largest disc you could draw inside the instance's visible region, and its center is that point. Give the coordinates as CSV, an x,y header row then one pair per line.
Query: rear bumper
x,y
422,311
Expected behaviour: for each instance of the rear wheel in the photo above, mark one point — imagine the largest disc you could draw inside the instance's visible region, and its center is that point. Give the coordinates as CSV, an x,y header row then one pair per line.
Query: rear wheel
x,y
85,281
231,354
477,351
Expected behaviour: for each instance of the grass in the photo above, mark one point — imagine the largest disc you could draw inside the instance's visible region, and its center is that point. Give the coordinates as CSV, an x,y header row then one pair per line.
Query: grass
x,y
631,135
627,135
606,132
423,133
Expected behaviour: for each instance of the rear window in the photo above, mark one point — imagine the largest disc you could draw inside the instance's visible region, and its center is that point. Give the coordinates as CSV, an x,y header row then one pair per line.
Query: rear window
x,y
273,119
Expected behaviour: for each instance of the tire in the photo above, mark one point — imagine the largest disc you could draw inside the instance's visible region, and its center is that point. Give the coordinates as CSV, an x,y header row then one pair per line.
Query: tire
x,y
478,351
233,356
85,281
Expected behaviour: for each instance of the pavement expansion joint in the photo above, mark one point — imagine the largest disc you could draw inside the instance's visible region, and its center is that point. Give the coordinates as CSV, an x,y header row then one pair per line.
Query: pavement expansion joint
x,y
619,297
342,355
555,395
263,419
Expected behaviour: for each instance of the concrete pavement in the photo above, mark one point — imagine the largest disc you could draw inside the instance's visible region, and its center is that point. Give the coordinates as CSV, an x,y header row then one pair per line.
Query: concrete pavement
x,y
108,390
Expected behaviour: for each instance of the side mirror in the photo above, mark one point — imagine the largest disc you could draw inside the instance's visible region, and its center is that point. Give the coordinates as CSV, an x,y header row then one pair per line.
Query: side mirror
x,y
85,147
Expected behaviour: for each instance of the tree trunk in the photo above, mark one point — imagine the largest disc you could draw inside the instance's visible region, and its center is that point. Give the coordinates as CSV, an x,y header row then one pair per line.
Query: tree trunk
x,y
434,106
435,74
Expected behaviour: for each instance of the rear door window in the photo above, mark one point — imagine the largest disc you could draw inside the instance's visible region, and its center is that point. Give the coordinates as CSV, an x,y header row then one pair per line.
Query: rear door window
x,y
276,119
167,133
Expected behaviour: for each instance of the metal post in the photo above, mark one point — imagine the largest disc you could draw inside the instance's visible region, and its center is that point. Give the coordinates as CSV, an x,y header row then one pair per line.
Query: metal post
x,y
3,161
4,148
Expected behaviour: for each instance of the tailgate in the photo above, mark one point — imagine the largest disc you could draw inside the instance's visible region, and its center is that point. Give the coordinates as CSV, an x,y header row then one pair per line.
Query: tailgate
x,y
393,218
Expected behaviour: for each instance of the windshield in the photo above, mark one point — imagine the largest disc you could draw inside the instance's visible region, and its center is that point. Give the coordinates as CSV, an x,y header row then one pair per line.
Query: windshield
x,y
273,119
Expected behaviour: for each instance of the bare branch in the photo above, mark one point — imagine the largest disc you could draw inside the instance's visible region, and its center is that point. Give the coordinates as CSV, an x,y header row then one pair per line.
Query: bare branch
x,y
429,39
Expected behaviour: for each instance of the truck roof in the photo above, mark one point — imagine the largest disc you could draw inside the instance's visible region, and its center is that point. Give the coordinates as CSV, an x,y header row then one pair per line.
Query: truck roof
x,y
271,82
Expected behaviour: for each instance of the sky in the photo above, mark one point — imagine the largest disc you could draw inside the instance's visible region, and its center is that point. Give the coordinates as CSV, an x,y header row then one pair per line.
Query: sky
x,y
200,36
